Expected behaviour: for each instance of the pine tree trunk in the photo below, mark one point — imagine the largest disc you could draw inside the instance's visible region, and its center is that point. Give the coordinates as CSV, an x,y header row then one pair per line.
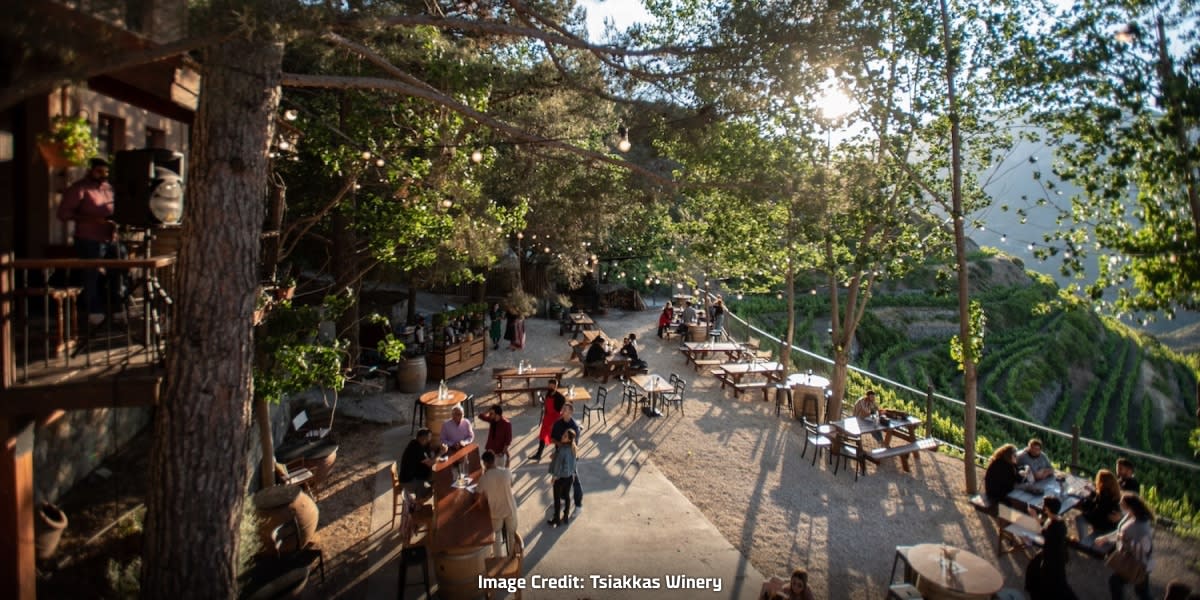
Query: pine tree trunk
x,y
198,466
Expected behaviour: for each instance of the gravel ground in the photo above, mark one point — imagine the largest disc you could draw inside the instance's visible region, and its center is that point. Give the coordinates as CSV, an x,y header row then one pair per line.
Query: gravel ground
x,y
741,466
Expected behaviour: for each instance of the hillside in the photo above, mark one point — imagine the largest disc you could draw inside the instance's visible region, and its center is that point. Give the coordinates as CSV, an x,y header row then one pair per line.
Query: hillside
x,y
1045,359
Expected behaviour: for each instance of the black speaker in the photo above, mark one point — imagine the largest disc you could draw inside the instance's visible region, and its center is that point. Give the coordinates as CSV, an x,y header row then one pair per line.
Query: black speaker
x,y
147,187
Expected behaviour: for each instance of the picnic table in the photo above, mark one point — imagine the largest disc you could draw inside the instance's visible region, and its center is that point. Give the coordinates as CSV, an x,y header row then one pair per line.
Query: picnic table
x,y
513,380
578,322
1069,488
694,351
892,425
579,347
734,373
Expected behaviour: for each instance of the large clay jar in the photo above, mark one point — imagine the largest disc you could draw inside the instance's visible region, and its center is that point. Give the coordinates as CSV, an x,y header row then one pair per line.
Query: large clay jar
x,y
410,375
51,521
277,505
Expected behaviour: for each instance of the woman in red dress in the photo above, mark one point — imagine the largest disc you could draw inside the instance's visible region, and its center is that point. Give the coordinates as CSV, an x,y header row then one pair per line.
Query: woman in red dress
x,y
551,411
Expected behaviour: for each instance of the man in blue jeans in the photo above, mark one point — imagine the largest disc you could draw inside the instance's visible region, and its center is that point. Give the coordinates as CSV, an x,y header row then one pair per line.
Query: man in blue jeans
x,y
89,203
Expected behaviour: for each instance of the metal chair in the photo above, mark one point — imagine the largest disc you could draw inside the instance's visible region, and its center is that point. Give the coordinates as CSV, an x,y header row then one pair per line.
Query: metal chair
x,y
783,395
675,396
597,405
305,554
813,435
851,449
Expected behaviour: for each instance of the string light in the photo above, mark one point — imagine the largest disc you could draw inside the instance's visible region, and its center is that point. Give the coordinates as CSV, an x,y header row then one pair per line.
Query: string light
x,y
366,155
291,114
476,157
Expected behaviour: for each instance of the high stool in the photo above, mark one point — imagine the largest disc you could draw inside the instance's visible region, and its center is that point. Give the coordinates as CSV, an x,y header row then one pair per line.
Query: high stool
x,y
418,415
469,407
413,556
901,556
809,399
783,395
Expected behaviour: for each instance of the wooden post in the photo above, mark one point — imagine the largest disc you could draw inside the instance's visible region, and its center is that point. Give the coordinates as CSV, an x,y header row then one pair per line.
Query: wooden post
x,y
8,362
929,411
18,574
1074,445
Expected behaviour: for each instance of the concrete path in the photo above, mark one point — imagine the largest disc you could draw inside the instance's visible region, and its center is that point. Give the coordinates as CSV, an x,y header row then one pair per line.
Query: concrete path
x,y
634,530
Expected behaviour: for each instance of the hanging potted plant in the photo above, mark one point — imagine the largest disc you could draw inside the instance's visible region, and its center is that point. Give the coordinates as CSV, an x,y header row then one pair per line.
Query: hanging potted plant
x,y
69,142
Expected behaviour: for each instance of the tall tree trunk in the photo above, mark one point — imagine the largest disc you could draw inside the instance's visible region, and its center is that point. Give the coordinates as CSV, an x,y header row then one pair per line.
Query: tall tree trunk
x,y
200,431
833,405
960,256
346,270
785,353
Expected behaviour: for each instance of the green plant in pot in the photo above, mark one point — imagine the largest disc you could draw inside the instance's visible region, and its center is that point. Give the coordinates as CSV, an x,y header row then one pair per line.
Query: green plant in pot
x,y
68,142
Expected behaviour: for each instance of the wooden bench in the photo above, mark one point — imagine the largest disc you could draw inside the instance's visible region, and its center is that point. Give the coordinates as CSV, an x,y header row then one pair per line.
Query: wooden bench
x,y
706,362
738,388
903,451
532,390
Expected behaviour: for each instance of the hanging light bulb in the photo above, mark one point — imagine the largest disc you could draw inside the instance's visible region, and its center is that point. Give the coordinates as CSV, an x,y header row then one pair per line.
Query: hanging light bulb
x,y
1003,238
366,155
739,296
291,114
379,162
284,145
447,203
476,157
520,235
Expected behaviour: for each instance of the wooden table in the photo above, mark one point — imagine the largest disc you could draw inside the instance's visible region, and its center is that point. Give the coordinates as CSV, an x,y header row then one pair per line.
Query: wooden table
x,y
437,410
694,350
903,428
508,380
579,323
1032,495
462,529
732,374
579,348
970,577
653,385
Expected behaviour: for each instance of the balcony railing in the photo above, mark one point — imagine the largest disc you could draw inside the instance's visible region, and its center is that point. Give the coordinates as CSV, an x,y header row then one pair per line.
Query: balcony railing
x,y
51,336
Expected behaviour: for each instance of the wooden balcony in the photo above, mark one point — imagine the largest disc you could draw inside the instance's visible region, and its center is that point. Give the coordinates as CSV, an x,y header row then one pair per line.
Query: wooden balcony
x,y
54,357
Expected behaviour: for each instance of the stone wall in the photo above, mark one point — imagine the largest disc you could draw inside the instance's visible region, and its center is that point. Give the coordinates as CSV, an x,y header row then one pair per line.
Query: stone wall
x,y
70,448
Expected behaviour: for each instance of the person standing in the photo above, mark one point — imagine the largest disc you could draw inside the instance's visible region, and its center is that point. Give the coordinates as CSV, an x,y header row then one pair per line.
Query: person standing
x,y
1046,575
1134,534
518,340
552,407
499,431
89,203
665,317
566,422
496,485
497,327
510,326
562,469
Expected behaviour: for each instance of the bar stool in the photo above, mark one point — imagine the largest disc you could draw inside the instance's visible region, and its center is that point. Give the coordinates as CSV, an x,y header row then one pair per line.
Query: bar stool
x,y
783,395
809,399
901,556
418,419
903,591
469,407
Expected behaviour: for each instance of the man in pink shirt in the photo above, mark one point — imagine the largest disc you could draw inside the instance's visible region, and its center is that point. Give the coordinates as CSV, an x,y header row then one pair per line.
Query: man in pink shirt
x,y
89,202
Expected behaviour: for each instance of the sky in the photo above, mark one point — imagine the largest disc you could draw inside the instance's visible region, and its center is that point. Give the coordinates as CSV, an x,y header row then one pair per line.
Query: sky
x,y
622,12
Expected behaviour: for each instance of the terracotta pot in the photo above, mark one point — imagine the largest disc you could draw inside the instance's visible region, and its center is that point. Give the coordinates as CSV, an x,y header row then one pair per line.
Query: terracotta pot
x,y
277,505
320,461
51,521
54,154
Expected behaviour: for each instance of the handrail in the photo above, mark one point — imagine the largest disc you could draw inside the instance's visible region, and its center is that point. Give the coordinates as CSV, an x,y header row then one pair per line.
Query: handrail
x,y
1107,445
154,262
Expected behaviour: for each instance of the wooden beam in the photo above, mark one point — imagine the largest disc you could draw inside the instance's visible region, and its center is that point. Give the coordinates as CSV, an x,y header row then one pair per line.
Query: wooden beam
x,y
139,388
18,573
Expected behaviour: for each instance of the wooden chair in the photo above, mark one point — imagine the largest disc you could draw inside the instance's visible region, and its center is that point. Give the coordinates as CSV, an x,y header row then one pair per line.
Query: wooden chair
x,y
508,567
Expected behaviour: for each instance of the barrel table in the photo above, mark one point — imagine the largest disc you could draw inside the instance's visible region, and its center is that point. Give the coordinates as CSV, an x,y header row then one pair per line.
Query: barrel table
x,y
437,410
808,396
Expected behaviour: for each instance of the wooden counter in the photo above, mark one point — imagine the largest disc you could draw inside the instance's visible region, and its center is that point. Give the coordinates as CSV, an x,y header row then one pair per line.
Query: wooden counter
x,y
452,361
462,519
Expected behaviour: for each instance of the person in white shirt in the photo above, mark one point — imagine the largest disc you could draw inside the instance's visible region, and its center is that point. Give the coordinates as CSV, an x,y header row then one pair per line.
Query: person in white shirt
x,y
496,485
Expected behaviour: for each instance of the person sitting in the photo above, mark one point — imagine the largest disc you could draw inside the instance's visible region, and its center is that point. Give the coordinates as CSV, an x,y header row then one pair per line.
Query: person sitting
x,y
1125,476
1001,476
864,408
457,431
1102,511
629,350
1135,534
1046,575
1035,460
499,431
596,356
796,588
416,463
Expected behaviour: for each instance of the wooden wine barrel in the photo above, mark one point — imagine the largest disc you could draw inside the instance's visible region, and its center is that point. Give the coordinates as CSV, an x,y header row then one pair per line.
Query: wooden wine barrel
x,y
697,333
458,573
410,375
